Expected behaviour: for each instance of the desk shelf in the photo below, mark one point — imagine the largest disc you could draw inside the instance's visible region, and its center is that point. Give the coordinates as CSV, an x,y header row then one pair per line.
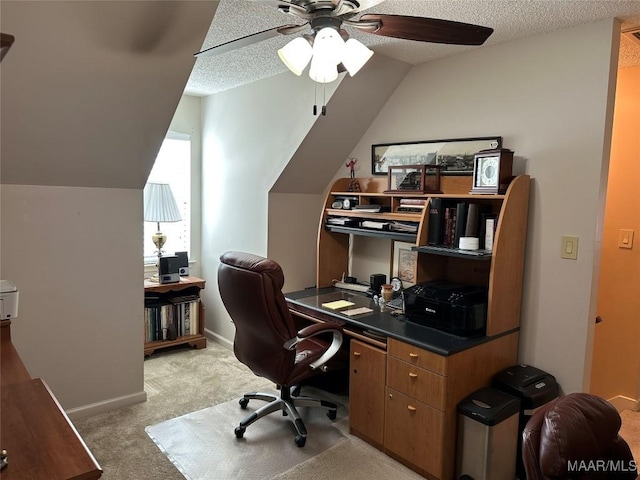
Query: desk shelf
x,y
368,232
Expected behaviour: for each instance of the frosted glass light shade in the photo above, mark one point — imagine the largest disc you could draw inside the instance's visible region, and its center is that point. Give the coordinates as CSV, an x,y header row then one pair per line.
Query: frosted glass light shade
x,y
296,54
323,72
159,204
355,56
328,46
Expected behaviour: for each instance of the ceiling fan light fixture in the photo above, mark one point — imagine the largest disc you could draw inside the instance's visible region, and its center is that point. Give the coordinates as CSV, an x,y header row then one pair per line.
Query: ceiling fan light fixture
x,y
296,54
355,56
322,71
328,46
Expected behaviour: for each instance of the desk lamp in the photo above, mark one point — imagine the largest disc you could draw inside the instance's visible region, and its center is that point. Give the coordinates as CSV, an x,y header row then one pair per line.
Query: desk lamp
x,y
160,206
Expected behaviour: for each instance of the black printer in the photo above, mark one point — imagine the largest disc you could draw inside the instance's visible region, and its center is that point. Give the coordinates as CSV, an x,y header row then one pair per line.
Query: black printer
x,y
450,307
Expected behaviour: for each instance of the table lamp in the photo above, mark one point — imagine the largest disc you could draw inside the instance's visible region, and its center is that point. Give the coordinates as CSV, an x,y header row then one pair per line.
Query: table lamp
x,y
160,206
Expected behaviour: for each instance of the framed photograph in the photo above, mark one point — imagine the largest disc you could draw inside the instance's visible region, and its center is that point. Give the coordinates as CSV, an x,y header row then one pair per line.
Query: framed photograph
x,y
404,263
453,156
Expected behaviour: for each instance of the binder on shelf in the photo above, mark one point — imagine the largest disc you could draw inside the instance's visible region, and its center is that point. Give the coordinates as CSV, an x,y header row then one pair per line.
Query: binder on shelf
x,y
460,222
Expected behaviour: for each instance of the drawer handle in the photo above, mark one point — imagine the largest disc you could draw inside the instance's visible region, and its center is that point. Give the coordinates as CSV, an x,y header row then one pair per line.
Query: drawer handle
x,y
356,354
413,375
413,355
411,408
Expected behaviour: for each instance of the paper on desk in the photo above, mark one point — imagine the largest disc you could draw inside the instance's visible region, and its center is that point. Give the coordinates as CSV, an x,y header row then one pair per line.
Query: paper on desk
x,y
338,304
356,311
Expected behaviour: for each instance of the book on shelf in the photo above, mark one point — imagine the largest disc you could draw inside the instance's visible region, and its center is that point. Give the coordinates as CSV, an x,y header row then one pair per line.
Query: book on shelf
x,y
413,201
488,230
410,208
375,225
435,222
407,227
449,225
460,224
342,221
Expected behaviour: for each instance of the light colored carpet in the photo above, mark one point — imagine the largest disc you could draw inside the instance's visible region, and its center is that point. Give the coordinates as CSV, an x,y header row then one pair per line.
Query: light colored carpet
x,y
202,445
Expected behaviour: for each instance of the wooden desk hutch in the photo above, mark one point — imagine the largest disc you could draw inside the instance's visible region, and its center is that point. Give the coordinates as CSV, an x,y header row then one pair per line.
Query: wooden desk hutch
x,y
403,398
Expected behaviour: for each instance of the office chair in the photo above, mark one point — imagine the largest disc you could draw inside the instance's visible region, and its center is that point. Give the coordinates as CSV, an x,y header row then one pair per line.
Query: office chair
x,y
267,341
576,437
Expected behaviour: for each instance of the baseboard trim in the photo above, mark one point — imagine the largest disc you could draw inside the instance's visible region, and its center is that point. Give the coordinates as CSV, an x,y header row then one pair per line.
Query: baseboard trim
x,y
106,405
625,403
213,336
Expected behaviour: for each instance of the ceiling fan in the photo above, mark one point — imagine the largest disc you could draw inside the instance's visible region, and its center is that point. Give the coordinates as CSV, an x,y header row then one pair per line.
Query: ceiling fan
x,y
328,47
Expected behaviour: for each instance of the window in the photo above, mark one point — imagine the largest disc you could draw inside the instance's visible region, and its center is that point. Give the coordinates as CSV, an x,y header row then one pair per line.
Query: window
x,y
172,166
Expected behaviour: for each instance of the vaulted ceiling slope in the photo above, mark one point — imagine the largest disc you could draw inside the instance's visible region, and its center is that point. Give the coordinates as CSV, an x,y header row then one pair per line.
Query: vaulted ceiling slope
x,y
88,89
350,111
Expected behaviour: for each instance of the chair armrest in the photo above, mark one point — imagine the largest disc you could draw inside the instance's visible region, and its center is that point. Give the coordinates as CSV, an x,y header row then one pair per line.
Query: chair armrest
x,y
312,331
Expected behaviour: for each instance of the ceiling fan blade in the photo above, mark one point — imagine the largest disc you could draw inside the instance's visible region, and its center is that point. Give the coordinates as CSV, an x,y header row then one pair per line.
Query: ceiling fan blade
x,y
364,4
250,40
432,30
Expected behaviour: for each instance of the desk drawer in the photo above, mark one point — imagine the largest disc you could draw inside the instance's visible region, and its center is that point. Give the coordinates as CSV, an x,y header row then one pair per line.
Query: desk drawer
x,y
414,432
418,383
417,356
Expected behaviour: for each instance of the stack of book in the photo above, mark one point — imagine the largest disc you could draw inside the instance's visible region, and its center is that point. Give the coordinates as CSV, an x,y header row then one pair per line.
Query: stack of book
x,y
408,227
412,205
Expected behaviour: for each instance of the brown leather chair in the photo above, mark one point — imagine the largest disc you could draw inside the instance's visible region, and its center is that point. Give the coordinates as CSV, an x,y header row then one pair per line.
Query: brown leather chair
x,y
267,341
576,437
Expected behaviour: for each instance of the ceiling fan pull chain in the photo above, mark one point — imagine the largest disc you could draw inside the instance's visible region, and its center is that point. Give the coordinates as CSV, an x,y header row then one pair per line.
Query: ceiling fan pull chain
x,y
324,100
315,99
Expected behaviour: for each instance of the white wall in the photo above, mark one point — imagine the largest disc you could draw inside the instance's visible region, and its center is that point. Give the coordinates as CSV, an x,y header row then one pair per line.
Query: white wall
x,y
74,253
550,97
249,134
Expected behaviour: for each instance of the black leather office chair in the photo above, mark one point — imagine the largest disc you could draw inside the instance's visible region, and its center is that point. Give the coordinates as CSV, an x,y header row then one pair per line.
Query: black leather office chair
x,y
266,339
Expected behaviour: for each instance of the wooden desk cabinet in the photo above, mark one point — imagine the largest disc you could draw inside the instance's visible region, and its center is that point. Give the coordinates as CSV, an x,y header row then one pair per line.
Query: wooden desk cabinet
x,y
404,401
367,368
40,441
169,294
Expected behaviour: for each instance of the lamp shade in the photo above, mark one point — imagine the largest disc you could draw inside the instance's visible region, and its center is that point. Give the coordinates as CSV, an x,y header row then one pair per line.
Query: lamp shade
x,y
296,54
355,56
159,204
322,72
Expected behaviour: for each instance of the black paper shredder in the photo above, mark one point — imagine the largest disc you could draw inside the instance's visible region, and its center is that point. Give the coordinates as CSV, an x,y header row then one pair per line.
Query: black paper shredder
x,y
487,435
534,388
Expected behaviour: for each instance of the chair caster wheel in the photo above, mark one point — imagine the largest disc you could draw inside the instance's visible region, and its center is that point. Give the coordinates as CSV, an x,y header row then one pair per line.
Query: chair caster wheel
x,y
239,431
243,403
300,440
331,414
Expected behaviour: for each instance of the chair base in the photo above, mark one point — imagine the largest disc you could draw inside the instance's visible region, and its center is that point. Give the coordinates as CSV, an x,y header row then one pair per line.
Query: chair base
x,y
287,404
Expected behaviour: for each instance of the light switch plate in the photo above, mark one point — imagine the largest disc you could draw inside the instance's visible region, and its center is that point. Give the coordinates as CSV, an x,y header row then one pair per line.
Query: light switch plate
x,y
569,247
625,239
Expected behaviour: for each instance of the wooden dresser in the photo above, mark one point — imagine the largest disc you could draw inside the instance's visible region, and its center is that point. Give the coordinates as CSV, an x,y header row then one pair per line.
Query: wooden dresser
x,y
40,441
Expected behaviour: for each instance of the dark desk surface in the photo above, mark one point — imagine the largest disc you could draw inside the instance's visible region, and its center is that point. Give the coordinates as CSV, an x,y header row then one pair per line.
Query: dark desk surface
x,y
380,322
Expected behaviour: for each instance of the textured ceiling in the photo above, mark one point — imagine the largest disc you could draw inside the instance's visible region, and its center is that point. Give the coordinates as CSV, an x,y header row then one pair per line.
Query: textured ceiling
x,y
510,19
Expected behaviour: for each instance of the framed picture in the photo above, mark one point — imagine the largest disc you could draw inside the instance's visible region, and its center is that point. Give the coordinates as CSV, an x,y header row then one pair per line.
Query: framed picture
x,y
453,156
404,263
